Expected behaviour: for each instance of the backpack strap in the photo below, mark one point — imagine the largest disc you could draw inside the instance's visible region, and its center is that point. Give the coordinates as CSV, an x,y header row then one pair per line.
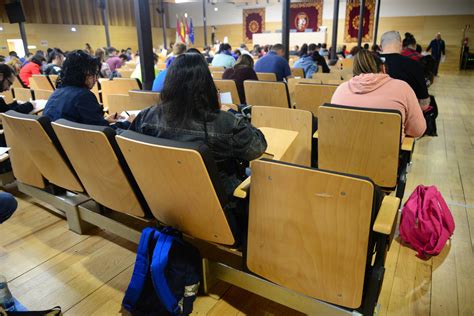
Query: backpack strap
x,y
140,270
158,266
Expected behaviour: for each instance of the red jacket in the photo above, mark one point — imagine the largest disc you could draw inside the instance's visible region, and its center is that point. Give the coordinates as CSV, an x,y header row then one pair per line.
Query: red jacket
x,y
411,53
28,71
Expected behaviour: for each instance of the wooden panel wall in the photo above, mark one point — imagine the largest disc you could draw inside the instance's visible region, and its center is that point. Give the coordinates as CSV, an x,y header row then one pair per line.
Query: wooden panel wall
x,y
81,12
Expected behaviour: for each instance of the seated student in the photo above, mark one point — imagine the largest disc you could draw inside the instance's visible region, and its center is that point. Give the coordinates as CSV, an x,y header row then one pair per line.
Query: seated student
x,y
224,57
137,72
73,99
178,49
105,68
30,69
306,62
242,70
114,61
273,62
190,111
323,51
353,52
371,87
409,49
320,61
404,68
8,205
55,62
7,77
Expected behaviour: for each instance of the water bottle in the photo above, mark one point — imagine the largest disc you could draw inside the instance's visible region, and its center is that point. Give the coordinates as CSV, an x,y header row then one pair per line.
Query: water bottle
x,y
6,298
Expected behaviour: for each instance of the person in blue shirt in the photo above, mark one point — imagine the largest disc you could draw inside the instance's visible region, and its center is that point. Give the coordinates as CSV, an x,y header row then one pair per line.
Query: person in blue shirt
x,y
158,83
306,62
224,57
73,100
273,62
437,48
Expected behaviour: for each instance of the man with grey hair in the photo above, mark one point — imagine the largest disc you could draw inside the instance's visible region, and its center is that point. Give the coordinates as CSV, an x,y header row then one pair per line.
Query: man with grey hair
x,y
404,68
437,48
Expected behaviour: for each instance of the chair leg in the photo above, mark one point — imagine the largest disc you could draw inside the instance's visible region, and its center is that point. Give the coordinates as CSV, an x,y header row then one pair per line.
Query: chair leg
x,y
208,279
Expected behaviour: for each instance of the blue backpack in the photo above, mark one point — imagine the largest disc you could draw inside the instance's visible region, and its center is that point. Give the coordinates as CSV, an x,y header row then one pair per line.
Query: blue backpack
x,y
166,276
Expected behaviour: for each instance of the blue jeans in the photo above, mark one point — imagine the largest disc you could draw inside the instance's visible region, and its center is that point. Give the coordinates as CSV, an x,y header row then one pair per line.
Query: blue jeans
x,y
8,206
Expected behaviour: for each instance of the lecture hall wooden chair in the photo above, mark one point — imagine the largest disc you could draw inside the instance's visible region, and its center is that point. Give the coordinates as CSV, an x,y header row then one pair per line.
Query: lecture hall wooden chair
x,y
266,76
118,103
309,229
141,99
288,119
53,79
215,68
117,86
297,72
217,74
266,93
310,97
41,82
228,86
291,83
34,137
42,94
125,73
100,166
182,188
7,96
324,77
23,94
364,142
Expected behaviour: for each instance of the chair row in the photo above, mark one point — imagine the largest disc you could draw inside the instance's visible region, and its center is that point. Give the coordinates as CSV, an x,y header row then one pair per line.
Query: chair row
x,y
177,183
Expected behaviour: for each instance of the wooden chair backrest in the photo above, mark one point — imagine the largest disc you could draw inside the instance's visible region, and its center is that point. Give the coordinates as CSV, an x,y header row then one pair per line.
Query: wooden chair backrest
x,y
266,76
40,82
297,72
23,94
358,141
7,96
217,74
292,84
333,75
119,103
41,149
141,99
309,230
17,83
23,167
310,97
53,79
98,167
228,86
42,94
117,86
333,82
347,63
177,187
215,68
125,73
266,93
290,119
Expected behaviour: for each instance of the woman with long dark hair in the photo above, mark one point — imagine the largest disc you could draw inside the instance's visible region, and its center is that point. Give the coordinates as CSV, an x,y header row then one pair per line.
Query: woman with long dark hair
x,y
73,100
190,111
242,70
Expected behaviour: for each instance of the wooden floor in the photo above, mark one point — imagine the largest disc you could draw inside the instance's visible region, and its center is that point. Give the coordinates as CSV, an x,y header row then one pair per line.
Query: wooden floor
x,y
47,265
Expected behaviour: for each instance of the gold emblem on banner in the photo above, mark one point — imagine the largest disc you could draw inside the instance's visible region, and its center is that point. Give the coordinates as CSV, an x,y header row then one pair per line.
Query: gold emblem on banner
x,y
301,21
254,26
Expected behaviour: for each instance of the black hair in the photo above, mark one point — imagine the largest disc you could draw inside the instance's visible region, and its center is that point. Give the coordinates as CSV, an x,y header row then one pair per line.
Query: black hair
x,y
312,47
303,50
189,93
366,46
193,50
7,72
224,47
55,52
277,47
123,56
13,53
408,41
110,50
77,66
38,59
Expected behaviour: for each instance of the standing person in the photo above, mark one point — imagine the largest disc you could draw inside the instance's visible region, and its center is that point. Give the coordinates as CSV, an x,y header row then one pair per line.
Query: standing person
x,y
224,57
273,62
55,62
371,87
213,35
242,70
437,48
30,69
73,100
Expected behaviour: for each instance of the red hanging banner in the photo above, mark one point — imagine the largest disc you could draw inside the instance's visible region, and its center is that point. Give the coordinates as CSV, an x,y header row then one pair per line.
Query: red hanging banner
x,y
254,22
306,16
352,21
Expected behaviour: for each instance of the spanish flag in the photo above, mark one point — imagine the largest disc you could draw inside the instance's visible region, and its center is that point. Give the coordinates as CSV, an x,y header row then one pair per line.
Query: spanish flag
x,y
182,32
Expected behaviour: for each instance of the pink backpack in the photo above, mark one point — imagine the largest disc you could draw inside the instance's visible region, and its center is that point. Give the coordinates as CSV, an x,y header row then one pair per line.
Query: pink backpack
x,y
426,222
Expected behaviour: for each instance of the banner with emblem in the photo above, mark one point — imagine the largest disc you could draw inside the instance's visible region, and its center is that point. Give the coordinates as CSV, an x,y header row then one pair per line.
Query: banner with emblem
x,y
352,21
306,16
254,22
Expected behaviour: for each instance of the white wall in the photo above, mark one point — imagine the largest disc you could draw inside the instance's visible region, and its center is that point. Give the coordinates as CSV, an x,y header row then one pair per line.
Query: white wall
x,y
232,14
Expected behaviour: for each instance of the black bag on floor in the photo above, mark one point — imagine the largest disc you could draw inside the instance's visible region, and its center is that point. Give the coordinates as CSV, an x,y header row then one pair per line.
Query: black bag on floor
x,y
430,117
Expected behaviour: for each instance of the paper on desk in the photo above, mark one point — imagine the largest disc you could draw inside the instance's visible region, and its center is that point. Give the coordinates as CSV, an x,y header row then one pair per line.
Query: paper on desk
x,y
226,98
4,150
38,105
134,112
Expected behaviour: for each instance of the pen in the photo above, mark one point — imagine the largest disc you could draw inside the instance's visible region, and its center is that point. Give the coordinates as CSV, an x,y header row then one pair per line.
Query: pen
x,y
127,113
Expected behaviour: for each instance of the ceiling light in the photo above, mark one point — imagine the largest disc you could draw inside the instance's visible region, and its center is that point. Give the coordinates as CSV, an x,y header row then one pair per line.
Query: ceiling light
x,y
73,29
216,9
1,28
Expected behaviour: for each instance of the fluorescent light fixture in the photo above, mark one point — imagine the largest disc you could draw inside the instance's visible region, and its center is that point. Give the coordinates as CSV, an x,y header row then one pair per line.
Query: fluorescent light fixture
x,y
31,46
185,15
73,29
1,28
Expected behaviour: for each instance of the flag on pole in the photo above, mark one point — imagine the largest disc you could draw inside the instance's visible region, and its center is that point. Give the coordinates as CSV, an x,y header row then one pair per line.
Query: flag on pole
x,y
187,29
182,32
191,31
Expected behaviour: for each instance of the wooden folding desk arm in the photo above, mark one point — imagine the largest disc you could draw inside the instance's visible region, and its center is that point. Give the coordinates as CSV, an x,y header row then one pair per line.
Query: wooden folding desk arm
x,y
242,190
387,215
408,144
